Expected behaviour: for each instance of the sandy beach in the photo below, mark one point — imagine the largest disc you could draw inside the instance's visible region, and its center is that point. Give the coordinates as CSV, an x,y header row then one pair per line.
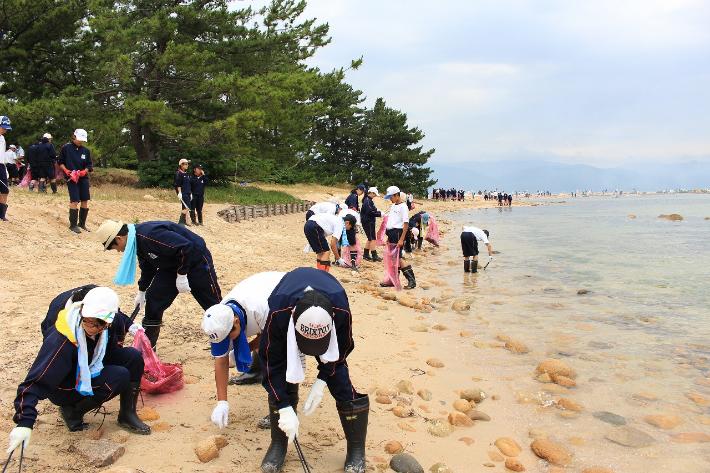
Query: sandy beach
x,y
413,354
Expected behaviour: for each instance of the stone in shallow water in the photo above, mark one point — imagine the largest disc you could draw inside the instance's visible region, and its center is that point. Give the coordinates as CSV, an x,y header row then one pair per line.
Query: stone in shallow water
x,y
630,437
610,418
405,463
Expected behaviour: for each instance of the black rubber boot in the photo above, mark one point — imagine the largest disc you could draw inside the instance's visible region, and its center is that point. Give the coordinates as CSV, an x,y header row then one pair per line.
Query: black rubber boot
x,y
366,255
42,187
275,456
375,257
474,266
420,241
82,218
353,417
182,220
127,417
53,185
353,263
74,415
253,376
73,218
409,274
152,332
199,217
466,266
3,212
192,217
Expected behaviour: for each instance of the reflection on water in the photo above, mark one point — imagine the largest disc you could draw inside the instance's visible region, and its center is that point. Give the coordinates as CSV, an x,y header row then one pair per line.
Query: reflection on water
x,y
640,336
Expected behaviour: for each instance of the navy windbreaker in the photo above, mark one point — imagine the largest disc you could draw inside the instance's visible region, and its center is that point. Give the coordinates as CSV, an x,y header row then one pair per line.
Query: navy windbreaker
x,y
351,202
369,212
182,180
197,184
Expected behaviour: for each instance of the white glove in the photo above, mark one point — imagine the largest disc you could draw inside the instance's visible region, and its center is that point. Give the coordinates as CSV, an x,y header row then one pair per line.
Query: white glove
x,y
179,196
18,435
340,262
220,414
134,328
140,299
182,284
314,397
288,422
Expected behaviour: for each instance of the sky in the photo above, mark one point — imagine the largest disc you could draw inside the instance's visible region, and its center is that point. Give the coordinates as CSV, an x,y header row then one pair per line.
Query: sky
x,y
601,82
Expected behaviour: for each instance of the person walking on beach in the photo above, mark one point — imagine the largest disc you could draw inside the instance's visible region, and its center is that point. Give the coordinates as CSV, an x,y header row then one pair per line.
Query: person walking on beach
x,y
470,236
81,365
320,226
368,216
241,315
183,189
75,163
198,181
351,201
309,314
396,231
172,260
5,126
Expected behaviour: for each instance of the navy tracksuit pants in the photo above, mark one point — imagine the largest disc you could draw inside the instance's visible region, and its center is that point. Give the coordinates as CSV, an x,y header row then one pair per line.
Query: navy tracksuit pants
x,y
339,384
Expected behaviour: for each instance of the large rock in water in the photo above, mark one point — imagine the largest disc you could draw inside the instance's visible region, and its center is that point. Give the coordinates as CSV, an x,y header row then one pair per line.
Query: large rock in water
x,y
630,437
98,452
553,452
610,418
554,368
405,463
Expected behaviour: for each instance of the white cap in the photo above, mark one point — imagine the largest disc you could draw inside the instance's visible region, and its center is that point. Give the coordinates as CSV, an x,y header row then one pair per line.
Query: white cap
x,y
415,232
391,190
47,135
183,161
100,303
13,147
81,135
374,191
218,322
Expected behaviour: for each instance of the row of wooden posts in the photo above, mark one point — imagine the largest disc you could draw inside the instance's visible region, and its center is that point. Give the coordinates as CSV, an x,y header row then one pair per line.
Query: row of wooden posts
x,y
237,213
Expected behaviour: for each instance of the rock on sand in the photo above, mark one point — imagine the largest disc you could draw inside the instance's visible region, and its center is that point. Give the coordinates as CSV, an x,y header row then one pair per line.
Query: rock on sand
x,y
513,464
508,447
610,418
555,368
393,447
208,449
98,453
440,428
553,452
630,437
440,468
665,422
405,463
405,387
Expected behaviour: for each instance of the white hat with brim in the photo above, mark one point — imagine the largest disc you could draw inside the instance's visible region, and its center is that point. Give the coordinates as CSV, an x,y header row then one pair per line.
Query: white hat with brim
x,y
217,322
81,135
183,161
100,303
107,232
373,190
391,190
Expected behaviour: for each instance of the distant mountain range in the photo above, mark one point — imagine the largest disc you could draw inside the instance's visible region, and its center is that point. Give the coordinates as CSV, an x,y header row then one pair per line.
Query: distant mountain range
x,y
537,175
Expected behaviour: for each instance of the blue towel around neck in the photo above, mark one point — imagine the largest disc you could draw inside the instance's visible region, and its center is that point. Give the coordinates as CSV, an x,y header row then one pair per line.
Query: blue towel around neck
x,y
126,274
242,352
344,238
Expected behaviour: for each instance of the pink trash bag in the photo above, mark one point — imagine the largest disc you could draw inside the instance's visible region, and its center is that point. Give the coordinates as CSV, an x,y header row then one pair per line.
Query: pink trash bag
x,y
381,232
25,182
432,234
358,251
158,377
391,262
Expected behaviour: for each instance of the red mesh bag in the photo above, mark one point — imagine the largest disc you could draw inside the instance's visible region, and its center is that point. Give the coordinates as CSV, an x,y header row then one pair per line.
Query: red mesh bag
x,y
381,239
158,377
391,263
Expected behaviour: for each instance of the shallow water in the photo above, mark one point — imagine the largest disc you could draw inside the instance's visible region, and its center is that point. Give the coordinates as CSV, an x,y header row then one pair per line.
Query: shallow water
x,y
640,340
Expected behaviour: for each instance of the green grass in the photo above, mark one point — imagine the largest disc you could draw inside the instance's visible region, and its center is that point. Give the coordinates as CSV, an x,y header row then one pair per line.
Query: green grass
x,y
247,195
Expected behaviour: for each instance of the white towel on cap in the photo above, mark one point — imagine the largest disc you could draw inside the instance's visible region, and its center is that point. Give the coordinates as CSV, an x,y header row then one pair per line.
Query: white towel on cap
x,y
296,361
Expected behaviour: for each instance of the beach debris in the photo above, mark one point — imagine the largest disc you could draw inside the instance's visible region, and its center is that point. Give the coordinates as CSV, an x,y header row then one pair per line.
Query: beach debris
x,y
440,428
662,421
478,415
672,217
609,418
569,405
435,363
425,394
405,463
393,447
553,452
148,414
630,437
98,453
459,419
508,446
440,468
513,464
691,437
462,405
405,387
208,449
476,395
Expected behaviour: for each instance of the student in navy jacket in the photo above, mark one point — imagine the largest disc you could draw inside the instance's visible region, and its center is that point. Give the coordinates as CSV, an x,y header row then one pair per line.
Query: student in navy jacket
x,y
172,259
84,331
352,200
75,162
368,216
309,314
198,181
183,189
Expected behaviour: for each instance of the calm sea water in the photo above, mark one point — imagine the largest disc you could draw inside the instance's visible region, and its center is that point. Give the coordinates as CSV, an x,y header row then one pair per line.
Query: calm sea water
x,y
640,339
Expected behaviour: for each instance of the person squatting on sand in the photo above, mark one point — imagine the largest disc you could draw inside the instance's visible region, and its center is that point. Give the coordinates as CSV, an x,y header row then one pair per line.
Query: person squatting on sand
x,y
198,181
369,215
81,365
416,230
240,315
183,189
75,163
309,314
470,236
397,227
172,260
322,225
5,126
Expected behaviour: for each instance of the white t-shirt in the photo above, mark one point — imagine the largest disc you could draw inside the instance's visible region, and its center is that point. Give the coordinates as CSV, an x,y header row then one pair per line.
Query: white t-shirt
x,y
4,153
478,233
397,216
331,224
323,208
253,295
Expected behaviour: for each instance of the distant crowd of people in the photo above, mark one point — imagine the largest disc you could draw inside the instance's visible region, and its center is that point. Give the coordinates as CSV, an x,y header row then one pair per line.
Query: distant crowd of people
x,y
448,194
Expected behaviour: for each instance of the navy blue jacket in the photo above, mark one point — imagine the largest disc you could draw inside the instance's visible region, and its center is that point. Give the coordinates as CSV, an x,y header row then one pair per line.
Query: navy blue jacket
x,y
168,246
46,154
369,212
75,158
182,180
31,154
198,183
351,201
56,366
272,348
